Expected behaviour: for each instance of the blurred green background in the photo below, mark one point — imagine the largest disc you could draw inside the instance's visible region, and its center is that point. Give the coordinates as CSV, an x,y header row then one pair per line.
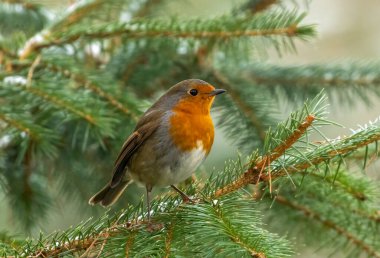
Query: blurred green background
x,y
347,30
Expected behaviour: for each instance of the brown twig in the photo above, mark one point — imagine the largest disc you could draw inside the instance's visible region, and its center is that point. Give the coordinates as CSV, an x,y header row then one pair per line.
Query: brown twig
x,y
329,224
19,126
31,70
254,175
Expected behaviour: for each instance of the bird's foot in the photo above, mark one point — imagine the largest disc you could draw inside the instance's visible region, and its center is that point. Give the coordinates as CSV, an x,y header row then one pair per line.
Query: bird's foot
x,y
185,197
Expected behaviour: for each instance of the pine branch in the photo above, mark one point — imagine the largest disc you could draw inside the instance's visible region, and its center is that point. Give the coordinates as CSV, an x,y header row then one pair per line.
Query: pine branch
x,y
283,24
358,79
329,224
80,78
89,84
61,103
326,75
236,238
225,226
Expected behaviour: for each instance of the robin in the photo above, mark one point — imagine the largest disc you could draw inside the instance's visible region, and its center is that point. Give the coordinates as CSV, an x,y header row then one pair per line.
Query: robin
x,y
169,142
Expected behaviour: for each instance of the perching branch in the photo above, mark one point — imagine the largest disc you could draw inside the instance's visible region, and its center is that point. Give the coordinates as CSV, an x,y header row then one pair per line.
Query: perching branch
x,y
255,174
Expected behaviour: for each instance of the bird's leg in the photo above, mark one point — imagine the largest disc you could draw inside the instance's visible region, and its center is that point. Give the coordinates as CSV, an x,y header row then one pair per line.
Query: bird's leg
x,y
151,227
148,191
185,198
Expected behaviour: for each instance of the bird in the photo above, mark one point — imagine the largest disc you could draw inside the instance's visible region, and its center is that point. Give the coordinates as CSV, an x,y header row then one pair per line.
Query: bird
x,y
171,139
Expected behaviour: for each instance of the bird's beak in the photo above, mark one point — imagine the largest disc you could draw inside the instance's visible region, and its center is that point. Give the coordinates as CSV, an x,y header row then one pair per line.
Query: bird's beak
x,y
217,92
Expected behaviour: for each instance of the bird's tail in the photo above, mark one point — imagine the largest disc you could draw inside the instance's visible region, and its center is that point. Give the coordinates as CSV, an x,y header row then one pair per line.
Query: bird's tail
x,y
109,195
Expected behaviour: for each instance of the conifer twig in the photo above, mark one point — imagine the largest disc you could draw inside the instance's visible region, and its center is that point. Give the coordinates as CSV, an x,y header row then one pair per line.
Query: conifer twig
x,y
80,79
236,238
329,224
315,75
61,103
254,174
31,70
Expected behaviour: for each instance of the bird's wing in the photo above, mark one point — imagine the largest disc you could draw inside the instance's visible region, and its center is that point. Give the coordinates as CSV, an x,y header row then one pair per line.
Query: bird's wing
x,y
142,132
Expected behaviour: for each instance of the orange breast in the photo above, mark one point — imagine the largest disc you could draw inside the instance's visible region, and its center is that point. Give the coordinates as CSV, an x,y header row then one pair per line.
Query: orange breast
x,y
190,128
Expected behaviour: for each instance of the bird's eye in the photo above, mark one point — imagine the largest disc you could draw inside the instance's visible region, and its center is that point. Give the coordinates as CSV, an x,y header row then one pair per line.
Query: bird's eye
x,y
193,92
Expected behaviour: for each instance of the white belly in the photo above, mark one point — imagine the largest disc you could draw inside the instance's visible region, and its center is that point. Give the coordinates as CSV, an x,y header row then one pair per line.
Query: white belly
x,y
172,167
188,162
